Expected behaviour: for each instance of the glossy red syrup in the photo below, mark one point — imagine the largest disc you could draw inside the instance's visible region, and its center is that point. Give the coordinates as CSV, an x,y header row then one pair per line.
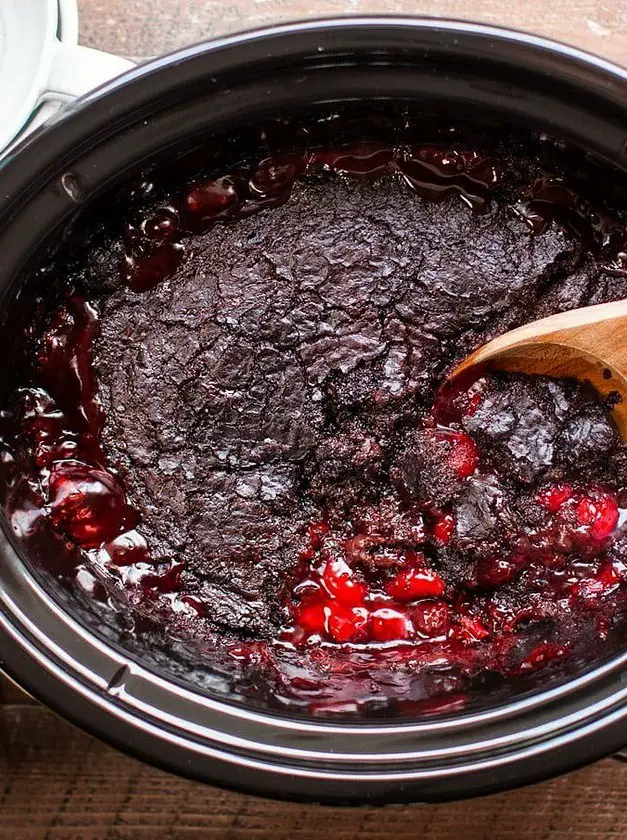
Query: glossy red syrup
x,y
71,488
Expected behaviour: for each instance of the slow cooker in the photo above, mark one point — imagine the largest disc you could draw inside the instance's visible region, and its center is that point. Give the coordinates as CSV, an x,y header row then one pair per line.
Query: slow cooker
x,y
152,706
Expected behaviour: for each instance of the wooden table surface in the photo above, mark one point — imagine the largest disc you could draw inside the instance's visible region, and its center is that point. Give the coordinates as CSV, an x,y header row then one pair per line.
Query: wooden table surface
x,y
57,783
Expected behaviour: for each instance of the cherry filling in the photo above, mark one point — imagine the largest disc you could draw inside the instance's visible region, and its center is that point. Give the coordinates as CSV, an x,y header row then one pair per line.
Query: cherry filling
x,y
517,598
85,503
407,599
71,488
452,536
339,603
443,528
460,451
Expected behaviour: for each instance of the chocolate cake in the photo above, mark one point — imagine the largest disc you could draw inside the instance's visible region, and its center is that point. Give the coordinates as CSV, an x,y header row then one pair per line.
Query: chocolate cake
x,y
232,418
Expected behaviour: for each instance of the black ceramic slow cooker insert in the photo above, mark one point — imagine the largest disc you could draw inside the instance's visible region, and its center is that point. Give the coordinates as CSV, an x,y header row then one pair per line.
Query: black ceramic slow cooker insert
x,y
152,703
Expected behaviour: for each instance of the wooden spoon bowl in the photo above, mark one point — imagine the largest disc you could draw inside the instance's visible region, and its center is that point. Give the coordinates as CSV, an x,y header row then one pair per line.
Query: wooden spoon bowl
x,y
588,344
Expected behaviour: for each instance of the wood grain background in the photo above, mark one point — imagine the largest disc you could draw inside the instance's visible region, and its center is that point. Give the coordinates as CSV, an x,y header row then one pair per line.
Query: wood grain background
x,y
57,783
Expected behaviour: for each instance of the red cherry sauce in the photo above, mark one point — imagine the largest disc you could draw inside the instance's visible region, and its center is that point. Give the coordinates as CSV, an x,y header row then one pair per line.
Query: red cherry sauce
x,y
62,499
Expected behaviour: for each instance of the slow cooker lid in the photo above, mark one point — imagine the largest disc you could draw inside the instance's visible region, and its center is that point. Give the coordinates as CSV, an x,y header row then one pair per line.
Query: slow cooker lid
x,y
41,65
28,30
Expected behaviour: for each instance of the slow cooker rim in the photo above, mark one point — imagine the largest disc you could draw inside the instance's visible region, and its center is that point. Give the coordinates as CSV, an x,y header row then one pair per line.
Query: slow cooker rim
x,y
123,680
600,75
253,775
98,100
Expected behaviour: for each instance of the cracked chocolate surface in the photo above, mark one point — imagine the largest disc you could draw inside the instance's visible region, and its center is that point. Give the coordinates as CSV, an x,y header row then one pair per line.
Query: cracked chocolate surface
x,y
220,385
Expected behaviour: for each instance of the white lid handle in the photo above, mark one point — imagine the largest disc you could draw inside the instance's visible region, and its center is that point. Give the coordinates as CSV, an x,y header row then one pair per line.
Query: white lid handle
x,y
77,70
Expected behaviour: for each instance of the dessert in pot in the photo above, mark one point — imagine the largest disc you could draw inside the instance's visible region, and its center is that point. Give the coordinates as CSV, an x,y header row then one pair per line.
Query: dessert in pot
x,y
229,420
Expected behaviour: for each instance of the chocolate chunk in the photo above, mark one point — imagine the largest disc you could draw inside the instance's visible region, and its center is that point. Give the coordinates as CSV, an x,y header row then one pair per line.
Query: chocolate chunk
x,y
587,435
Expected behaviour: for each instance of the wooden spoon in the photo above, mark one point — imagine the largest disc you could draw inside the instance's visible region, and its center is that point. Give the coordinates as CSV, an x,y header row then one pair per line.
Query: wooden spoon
x,y
589,344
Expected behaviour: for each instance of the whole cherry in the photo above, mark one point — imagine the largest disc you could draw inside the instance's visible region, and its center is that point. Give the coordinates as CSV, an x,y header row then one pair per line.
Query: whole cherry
x,y
85,503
